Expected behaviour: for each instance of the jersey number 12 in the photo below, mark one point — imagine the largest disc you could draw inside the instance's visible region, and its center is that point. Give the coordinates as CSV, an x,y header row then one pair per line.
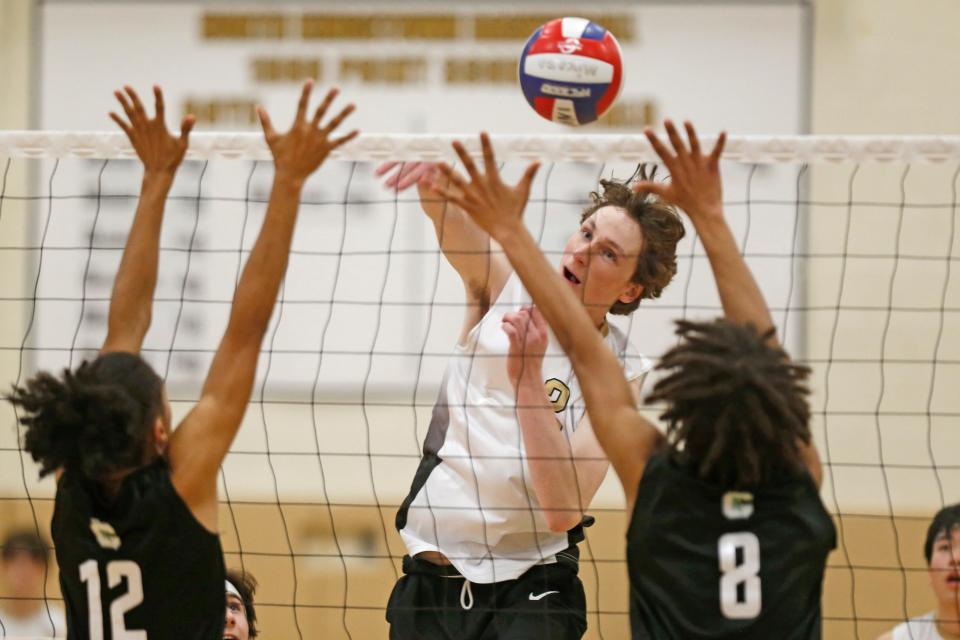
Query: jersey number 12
x,y
117,571
734,604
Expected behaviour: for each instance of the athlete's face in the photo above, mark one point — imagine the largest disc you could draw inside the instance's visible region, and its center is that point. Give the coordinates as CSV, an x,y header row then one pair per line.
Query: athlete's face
x,y
23,573
600,258
235,625
945,566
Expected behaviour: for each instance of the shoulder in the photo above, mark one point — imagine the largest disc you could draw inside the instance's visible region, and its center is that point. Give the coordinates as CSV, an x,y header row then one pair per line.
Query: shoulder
x,y
635,364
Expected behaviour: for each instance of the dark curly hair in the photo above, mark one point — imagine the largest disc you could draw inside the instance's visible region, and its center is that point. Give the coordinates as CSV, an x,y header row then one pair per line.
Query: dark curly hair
x,y
246,584
660,225
92,420
737,407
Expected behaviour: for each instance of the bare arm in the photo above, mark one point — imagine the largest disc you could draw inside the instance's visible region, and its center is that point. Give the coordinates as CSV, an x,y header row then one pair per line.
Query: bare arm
x,y
201,441
695,186
565,474
481,265
131,301
627,438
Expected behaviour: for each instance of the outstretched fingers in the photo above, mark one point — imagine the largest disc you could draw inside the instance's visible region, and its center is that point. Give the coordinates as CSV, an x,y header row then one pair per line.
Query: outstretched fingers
x,y
453,190
527,179
342,140
265,124
322,109
453,176
158,103
304,100
419,172
186,127
467,161
718,148
125,103
659,147
489,160
658,189
386,167
122,123
339,118
692,138
678,145
138,110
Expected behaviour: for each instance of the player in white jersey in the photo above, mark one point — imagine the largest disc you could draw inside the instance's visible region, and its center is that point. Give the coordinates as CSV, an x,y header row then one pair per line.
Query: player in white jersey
x,y
942,551
510,462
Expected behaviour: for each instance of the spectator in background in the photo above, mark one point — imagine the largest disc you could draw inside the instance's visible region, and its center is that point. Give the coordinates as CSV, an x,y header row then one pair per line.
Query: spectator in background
x,y
942,551
23,611
241,619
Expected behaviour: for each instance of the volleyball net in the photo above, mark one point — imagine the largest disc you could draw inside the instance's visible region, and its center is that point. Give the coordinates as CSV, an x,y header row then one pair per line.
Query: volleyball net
x,y
852,240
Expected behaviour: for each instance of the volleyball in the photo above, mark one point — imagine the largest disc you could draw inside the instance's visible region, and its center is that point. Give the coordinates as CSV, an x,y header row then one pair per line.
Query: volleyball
x,y
570,71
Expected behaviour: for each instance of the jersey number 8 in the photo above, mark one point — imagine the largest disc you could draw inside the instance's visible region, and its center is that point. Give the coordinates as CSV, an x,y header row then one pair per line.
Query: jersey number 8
x,y
117,571
734,604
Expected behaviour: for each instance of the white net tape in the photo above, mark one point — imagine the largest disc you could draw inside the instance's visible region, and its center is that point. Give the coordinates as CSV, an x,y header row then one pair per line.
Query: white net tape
x,y
569,148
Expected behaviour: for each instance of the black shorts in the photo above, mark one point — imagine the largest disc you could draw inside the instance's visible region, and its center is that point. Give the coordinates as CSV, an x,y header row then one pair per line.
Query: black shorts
x,y
436,603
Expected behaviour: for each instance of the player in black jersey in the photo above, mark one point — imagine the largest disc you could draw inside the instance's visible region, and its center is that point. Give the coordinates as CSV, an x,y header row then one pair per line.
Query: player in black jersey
x,y
728,536
135,516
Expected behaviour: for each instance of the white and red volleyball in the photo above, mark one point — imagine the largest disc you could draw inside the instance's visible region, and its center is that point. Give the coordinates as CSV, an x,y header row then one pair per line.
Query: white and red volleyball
x,y
570,71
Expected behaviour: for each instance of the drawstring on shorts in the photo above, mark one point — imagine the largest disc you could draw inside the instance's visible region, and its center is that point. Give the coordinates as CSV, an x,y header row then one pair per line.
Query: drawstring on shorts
x,y
466,596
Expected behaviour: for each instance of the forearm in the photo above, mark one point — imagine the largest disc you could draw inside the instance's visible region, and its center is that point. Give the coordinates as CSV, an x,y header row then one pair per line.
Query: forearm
x,y
260,281
549,458
467,247
742,300
132,298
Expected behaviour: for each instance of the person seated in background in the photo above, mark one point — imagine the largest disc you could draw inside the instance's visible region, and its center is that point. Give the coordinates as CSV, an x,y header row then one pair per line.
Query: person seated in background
x,y
942,551
23,612
241,619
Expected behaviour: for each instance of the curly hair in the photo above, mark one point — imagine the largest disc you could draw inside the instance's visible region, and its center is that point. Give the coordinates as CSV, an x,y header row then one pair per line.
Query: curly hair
x,y
737,407
93,420
246,584
660,226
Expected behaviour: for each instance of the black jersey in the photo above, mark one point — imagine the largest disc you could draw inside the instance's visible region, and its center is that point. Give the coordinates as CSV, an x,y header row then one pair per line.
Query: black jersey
x,y
709,563
140,563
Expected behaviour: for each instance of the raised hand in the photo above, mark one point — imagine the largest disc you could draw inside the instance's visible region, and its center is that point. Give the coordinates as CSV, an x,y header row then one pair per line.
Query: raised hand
x,y
695,184
301,150
528,335
407,174
496,207
156,148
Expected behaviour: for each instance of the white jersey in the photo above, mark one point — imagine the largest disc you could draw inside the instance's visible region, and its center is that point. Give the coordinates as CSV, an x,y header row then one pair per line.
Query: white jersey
x,y
920,628
472,498
37,625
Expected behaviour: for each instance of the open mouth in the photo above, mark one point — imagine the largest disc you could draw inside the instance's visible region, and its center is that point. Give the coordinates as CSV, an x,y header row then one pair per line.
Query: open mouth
x,y
953,578
570,277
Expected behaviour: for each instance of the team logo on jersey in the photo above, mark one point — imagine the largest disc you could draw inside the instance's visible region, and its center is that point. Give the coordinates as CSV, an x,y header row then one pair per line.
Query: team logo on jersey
x,y
737,505
105,535
558,393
